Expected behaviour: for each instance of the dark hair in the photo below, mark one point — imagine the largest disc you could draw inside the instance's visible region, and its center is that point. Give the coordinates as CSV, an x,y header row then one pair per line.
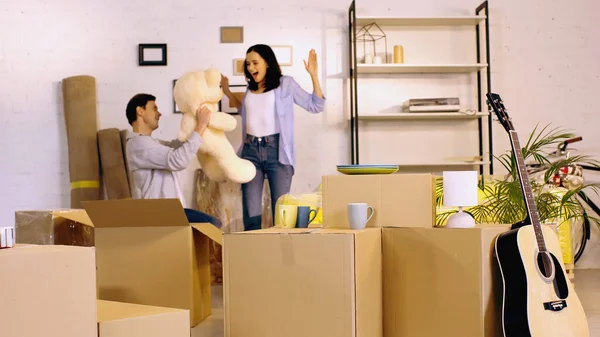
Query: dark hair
x,y
138,100
273,70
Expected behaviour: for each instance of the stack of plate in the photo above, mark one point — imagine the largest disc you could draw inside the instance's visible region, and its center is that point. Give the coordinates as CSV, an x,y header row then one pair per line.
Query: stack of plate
x,y
367,169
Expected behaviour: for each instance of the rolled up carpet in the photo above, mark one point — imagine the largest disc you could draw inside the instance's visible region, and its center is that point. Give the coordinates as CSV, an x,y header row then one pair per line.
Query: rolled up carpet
x,y
114,176
79,101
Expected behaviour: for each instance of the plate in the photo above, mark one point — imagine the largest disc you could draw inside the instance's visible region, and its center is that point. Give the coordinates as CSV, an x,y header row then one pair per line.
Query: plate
x,y
367,169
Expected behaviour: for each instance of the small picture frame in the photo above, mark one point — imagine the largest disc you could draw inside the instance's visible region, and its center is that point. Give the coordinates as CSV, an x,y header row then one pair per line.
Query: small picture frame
x,y
238,67
175,107
232,34
238,90
152,54
283,53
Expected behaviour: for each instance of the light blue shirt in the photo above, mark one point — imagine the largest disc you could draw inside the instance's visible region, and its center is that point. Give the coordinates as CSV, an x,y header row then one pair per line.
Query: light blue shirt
x,y
287,94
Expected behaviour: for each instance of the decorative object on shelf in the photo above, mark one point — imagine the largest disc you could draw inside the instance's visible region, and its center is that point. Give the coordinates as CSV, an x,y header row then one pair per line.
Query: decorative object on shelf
x,y
371,33
225,104
367,169
152,54
460,190
436,104
238,67
232,34
284,54
398,54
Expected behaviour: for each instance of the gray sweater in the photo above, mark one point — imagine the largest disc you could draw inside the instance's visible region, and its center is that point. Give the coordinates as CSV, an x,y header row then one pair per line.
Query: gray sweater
x,y
153,165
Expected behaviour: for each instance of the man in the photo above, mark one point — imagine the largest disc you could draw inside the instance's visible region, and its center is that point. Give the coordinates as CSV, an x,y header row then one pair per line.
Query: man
x,y
153,163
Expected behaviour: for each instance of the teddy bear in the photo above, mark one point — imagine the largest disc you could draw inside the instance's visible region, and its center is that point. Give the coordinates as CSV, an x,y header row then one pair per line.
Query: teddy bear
x,y
216,155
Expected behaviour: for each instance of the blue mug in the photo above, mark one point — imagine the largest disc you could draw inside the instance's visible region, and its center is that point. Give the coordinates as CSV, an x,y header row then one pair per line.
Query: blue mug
x,y
304,216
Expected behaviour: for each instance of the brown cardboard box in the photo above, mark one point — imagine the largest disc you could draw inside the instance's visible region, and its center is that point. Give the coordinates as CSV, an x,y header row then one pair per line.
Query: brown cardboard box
x,y
48,227
148,253
303,282
399,200
441,282
47,291
116,319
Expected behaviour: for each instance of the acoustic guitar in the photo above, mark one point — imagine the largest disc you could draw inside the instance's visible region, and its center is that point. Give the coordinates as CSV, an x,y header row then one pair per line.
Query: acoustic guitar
x,y
538,300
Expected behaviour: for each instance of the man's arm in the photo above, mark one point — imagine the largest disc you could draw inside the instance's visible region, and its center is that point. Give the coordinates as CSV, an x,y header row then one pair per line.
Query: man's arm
x,y
175,143
144,152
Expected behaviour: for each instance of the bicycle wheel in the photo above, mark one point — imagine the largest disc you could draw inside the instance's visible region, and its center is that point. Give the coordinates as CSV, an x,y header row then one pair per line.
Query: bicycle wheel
x,y
579,236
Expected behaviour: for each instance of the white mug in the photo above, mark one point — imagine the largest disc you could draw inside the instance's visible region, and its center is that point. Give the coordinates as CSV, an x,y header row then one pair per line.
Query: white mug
x,y
357,215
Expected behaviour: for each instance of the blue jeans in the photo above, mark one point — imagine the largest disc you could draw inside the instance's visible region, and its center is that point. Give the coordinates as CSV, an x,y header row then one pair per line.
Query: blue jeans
x,y
197,216
264,153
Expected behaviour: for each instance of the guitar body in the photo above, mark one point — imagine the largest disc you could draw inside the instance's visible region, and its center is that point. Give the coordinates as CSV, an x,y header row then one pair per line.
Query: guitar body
x,y
534,305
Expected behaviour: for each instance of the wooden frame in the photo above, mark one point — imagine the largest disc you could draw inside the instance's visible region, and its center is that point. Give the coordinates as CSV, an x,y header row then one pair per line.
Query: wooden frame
x,y
238,67
224,104
284,54
232,34
147,54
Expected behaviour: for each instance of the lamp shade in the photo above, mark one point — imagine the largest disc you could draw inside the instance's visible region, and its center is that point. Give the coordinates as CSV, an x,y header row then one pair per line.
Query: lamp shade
x,y
460,188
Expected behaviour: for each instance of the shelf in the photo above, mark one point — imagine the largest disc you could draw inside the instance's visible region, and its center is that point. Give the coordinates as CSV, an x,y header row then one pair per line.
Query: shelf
x,y
422,21
448,163
423,115
403,68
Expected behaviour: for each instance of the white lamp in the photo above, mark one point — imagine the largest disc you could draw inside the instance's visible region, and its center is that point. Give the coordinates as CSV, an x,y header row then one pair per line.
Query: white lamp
x,y
460,190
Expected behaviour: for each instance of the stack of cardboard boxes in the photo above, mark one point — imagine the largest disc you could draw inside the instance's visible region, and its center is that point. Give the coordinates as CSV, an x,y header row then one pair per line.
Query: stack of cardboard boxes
x,y
398,277
138,268
130,267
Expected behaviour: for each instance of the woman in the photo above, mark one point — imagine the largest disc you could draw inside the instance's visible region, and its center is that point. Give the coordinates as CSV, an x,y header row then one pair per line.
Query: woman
x,y
267,111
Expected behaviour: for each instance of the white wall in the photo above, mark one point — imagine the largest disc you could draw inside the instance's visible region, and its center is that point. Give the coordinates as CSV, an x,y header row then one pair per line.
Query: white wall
x,y
544,64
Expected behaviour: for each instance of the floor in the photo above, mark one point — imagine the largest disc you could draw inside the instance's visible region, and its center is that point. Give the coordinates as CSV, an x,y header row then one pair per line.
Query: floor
x,y
587,286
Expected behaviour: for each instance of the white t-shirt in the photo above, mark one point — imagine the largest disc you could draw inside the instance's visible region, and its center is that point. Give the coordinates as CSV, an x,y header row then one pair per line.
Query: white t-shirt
x,y
260,109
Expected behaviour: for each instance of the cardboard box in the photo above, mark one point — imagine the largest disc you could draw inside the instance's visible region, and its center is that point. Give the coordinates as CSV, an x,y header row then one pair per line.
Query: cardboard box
x,y
48,227
440,282
47,291
303,282
116,319
399,200
148,253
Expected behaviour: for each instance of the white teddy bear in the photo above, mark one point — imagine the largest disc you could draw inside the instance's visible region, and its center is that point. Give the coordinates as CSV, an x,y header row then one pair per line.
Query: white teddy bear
x,y
216,154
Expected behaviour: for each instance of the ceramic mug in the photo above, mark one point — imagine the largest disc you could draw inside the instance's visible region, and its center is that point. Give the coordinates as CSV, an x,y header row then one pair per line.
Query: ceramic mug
x,y
287,215
304,217
358,215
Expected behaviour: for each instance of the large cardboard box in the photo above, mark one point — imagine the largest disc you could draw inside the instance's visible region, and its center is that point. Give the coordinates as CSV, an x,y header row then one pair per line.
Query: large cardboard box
x,y
148,253
303,282
117,319
442,281
399,200
47,291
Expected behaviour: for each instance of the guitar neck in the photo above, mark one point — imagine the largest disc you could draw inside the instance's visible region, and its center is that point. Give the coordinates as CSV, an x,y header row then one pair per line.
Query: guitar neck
x,y
532,211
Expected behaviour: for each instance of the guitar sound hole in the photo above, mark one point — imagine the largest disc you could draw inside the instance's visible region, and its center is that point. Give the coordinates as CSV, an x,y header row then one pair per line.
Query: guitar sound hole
x,y
544,264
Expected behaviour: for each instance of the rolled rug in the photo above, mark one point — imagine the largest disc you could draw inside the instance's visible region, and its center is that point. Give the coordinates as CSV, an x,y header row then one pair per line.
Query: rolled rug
x,y
114,176
79,101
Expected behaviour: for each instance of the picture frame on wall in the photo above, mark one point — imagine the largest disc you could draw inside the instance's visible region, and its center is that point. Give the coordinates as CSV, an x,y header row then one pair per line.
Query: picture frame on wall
x,y
238,91
284,54
238,67
152,54
175,107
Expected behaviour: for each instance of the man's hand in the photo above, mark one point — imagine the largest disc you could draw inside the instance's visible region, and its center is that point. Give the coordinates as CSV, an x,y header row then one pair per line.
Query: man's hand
x,y
202,119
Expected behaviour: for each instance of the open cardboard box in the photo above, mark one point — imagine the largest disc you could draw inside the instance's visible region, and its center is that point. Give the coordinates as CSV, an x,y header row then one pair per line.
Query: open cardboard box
x,y
148,253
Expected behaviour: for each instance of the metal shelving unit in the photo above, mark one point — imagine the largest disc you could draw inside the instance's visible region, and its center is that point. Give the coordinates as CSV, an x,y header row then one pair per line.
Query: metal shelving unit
x,y
355,69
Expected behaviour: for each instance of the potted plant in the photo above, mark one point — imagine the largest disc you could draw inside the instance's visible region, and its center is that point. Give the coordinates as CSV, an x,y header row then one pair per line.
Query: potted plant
x,y
501,199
